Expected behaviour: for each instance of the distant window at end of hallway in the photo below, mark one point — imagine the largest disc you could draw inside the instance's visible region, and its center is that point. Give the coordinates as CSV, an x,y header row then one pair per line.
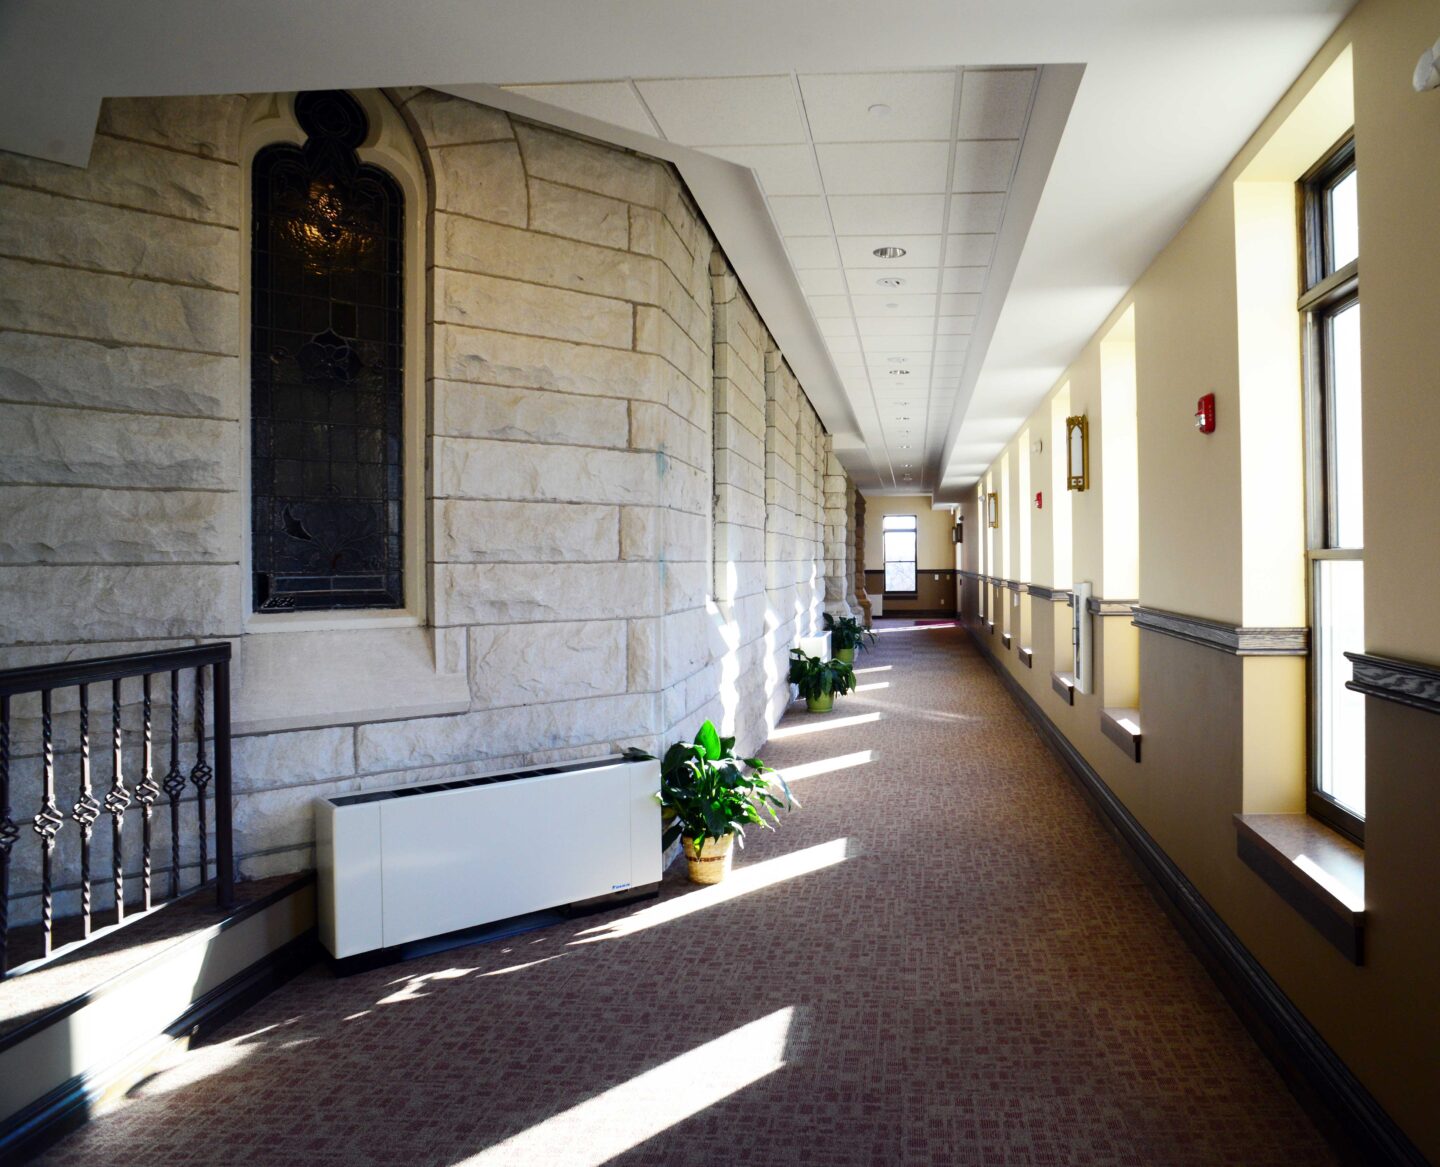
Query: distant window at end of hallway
x,y
899,534
1330,311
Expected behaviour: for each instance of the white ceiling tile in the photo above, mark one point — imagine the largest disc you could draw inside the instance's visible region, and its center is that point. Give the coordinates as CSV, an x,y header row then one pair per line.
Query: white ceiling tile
x,y
812,251
782,170
800,215
966,250
878,326
823,282
951,344
898,344
981,166
882,214
862,280
959,305
607,101
858,251
824,306
725,111
962,279
837,326
973,213
995,103
879,305
838,104
955,326
839,345
884,167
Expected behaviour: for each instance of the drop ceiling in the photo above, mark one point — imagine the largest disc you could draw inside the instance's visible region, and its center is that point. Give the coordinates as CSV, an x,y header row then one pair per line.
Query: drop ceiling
x,y
1026,199
850,165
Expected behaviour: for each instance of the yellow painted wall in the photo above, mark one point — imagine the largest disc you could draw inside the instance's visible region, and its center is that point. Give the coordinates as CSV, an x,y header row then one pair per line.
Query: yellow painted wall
x,y
1220,539
934,548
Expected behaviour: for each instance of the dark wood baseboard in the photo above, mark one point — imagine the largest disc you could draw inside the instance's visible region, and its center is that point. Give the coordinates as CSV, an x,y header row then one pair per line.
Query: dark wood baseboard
x,y
1334,1098
69,1106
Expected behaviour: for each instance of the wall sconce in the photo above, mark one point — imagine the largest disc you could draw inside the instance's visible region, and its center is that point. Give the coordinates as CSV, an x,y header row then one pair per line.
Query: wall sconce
x,y
992,509
1037,446
1427,72
1077,442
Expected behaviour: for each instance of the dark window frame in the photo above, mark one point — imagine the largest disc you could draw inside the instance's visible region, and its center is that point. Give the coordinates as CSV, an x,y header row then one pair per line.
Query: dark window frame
x,y
1326,292
327,369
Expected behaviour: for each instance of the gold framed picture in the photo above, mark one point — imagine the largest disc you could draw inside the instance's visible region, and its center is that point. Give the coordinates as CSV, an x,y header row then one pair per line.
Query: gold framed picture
x,y
1077,452
992,509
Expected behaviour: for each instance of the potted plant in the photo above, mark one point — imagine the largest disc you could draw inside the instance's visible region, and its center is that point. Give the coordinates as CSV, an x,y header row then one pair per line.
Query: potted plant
x,y
846,635
820,680
714,795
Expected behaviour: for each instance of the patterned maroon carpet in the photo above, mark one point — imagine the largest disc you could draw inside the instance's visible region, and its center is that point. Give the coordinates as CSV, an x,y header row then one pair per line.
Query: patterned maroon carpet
x,y
941,959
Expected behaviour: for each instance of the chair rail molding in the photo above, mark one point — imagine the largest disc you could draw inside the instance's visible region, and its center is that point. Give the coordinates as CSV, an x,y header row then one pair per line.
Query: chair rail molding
x,y
1231,638
1404,682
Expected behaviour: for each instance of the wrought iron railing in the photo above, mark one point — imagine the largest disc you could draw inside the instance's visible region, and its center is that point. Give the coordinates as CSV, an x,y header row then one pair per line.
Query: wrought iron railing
x,y
196,772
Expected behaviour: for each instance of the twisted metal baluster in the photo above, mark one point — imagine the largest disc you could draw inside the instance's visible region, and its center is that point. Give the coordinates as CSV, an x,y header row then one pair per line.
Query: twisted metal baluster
x,y
9,832
117,798
47,824
200,773
148,790
174,783
85,811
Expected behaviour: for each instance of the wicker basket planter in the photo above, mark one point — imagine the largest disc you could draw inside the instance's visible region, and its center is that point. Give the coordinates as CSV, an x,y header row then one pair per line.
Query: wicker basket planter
x,y
712,863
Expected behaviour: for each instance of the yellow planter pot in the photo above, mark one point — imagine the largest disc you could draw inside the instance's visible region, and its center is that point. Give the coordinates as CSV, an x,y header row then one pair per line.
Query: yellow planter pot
x,y
713,863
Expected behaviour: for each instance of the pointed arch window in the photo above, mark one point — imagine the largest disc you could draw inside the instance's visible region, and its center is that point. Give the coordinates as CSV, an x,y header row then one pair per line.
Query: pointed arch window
x,y
327,336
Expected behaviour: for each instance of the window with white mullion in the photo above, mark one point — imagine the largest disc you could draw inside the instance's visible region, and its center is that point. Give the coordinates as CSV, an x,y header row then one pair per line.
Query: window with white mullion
x,y
1330,303
899,536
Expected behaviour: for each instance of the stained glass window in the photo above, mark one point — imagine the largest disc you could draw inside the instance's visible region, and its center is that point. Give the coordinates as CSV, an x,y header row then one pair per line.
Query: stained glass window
x,y
327,329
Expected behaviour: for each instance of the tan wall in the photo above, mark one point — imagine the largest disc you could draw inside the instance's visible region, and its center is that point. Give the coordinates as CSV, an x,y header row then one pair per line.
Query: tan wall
x,y
934,548
1224,733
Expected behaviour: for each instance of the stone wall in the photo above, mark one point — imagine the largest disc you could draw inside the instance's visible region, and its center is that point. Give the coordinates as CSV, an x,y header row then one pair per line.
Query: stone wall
x,y
626,488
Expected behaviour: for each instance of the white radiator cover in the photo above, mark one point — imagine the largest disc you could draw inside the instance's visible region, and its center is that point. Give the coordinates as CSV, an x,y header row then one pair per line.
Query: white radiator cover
x,y
412,862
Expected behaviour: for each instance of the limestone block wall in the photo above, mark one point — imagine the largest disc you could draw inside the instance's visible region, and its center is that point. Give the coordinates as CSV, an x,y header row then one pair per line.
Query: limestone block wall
x,y
769,569
625,489
838,534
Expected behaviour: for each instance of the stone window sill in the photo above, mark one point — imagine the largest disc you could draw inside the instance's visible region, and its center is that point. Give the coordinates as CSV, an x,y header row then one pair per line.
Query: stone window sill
x,y
1064,684
1027,657
1315,870
1122,726
327,677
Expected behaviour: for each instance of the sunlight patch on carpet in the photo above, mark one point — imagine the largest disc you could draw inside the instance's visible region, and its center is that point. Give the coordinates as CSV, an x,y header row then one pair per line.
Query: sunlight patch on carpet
x,y
619,1119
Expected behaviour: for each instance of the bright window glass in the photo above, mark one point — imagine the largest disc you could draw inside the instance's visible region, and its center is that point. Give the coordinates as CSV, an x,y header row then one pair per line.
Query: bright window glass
x,y
1347,514
899,536
1344,223
1339,594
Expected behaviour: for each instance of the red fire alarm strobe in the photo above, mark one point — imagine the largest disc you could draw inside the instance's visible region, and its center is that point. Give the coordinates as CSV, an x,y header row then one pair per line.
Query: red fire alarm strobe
x,y
1039,500
1205,414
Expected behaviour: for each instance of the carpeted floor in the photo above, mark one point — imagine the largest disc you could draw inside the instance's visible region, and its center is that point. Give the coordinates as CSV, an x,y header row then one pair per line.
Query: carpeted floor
x,y
941,959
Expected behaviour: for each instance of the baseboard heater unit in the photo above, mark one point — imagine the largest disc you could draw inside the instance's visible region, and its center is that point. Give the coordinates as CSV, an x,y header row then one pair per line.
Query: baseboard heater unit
x,y
407,864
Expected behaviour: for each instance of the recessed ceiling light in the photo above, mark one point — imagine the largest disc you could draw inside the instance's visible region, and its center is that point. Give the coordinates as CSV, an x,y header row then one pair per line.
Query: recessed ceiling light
x,y
893,304
891,282
879,111
888,252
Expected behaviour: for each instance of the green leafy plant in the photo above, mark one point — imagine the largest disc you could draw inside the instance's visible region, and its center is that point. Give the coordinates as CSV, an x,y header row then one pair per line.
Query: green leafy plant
x,y
713,792
848,632
818,678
